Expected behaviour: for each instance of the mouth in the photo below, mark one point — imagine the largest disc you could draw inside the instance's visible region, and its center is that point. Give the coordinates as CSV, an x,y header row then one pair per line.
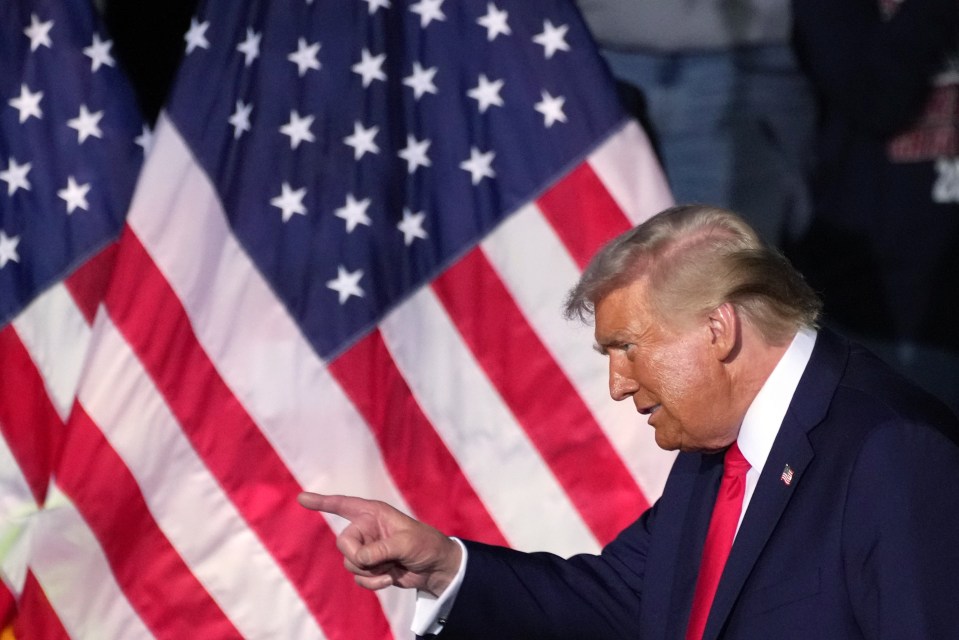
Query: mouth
x,y
649,410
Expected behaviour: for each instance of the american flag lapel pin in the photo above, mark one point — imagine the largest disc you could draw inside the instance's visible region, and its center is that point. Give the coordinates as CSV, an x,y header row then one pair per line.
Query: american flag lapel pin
x,y
787,476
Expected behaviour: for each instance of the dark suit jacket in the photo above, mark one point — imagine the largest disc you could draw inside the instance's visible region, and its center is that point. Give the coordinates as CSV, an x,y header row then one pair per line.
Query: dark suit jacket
x,y
863,542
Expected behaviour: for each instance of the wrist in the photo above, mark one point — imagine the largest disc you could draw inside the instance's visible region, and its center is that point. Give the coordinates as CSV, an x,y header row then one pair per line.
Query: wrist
x,y
450,569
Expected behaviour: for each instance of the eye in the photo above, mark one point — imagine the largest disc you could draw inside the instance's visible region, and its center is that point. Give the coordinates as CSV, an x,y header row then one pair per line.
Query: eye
x,y
621,347
625,347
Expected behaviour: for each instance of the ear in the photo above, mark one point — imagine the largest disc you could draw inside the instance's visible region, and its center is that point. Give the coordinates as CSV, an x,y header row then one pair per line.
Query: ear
x,y
724,331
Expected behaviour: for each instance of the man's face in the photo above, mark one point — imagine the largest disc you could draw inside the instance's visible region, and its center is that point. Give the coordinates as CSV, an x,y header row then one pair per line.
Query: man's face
x,y
672,370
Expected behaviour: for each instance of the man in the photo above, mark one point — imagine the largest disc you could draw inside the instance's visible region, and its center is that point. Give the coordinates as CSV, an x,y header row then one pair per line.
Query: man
x,y
844,526
718,80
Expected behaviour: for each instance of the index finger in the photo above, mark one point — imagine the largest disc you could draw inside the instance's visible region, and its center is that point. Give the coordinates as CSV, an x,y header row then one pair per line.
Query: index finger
x,y
348,507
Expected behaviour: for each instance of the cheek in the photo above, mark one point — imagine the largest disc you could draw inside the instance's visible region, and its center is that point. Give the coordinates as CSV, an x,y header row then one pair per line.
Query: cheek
x,y
677,374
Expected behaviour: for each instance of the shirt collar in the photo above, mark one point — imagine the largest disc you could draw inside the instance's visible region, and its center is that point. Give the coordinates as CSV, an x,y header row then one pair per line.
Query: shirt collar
x,y
765,415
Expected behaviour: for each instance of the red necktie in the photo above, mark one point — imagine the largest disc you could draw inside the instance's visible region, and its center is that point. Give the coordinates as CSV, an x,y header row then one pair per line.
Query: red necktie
x,y
719,538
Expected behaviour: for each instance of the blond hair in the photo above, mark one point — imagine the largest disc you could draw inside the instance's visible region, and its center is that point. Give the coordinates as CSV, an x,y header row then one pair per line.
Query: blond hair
x,y
696,258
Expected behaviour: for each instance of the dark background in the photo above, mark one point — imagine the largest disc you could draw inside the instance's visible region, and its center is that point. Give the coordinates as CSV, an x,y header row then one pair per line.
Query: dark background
x,y
148,43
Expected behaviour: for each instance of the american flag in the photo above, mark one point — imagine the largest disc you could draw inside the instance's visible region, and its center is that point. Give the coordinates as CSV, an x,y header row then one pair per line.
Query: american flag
x,y
68,165
787,475
342,270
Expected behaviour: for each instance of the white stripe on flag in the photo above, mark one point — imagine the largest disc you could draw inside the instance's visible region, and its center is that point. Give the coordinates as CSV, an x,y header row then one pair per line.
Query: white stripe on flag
x,y
68,561
56,335
633,177
224,555
541,292
477,428
18,510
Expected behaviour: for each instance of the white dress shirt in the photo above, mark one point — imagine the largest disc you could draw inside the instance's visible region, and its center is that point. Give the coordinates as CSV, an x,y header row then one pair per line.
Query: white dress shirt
x,y
765,415
756,436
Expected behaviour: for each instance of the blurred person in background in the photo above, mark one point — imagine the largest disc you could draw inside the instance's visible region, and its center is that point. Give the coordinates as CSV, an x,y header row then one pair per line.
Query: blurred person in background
x,y
731,113
883,247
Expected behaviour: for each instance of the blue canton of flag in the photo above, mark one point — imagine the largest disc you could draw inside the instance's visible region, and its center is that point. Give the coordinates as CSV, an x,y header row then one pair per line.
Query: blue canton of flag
x,y
68,161
371,144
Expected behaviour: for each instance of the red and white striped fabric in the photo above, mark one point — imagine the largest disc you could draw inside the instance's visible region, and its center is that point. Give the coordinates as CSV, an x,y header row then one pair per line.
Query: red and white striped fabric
x,y
202,413
68,165
167,432
42,351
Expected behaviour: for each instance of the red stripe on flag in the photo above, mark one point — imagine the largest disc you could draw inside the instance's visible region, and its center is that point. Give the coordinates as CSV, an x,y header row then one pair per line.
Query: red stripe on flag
x,y
548,407
8,606
36,618
144,562
583,213
28,420
88,284
419,461
155,324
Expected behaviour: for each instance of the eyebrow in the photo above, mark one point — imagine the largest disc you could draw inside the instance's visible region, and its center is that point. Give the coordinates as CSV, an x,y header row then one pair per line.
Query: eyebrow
x,y
603,347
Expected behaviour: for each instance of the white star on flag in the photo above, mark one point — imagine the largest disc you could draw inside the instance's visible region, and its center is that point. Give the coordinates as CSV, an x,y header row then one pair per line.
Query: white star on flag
x,y
290,201
75,195
354,212
86,124
362,140
412,226
240,120
15,176
145,139
479,165
39,33
415,153
305,56
421,80
346,283
486,93
370,67
250,48
8,249
495,22
196,36
428,11
552,39
298,129
552,109
377,4
99,53
28,104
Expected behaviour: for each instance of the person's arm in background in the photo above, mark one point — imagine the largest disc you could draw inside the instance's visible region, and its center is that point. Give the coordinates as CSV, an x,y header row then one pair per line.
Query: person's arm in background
x,y
876,73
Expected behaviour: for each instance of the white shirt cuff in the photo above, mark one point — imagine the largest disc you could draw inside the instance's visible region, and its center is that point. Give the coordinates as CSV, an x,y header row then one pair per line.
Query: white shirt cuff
x,y
431,611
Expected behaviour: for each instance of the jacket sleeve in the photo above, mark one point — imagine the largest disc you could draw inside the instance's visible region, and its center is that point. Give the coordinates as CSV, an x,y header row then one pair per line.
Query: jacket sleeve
x,y
876,73
510,594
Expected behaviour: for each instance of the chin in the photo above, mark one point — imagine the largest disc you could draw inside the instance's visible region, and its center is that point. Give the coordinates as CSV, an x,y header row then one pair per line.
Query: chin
x,y
668,444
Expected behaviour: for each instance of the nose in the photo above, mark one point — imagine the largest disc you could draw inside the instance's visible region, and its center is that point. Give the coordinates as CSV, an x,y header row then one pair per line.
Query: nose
x,y
621,383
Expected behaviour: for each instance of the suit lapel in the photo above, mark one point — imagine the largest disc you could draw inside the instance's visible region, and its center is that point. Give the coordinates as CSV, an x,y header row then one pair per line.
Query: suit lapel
x,y
673,559
806,410
765,509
